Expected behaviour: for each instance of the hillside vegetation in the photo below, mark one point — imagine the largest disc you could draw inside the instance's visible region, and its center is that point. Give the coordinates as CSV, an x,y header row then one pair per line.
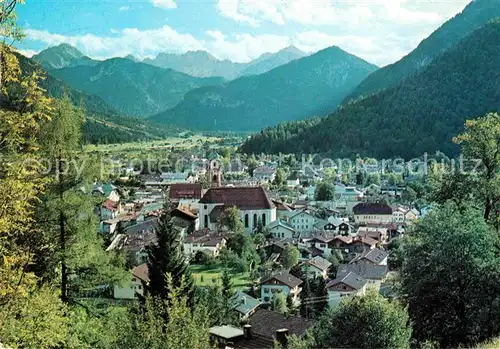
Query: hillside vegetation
x,y
420,115
475,15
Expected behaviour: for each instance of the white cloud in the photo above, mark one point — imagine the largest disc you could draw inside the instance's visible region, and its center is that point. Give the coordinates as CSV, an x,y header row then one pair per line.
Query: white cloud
x,y
168,4
299,11
27,53
141,43
229,8
335,13
357,28
243,47
124,8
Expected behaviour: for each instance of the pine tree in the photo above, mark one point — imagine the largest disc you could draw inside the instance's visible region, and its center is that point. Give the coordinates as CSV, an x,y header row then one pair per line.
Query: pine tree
x,y
167,257
228,302
321,296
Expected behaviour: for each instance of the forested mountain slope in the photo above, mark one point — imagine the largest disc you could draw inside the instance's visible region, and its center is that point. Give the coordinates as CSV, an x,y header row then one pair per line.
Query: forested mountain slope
x,y
305,87
420,115
103,124
474,16
132,88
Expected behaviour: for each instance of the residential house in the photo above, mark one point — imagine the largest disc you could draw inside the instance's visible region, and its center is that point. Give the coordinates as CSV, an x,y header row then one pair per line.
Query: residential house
x,y
135,288
374,256
174,177
252,202
316,267
349,246
264,174
271,325
284,283
244,304
109,209
276,247
302,221
307,252
107,191
292,182
341,225
377,233
203,241
283,210
404,214
135,240
359,245
264,328
345,285
374,274
350,194
371,265
281,229
184,220
372,212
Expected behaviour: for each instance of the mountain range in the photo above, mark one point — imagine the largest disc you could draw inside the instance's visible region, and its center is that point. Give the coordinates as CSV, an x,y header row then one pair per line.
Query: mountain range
x,y
475,15
419,115
414,105
310,86
103,123
62,56
132,88
203,64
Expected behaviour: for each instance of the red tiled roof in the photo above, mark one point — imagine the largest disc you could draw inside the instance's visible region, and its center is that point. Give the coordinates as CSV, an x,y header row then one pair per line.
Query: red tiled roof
x,y
244,198
141,272
365,240
110,205
184,213
185,191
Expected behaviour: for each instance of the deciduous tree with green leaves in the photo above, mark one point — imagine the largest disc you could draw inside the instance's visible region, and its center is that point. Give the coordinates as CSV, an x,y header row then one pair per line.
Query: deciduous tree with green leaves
x,y
449,253
289,257
324,192
379,323
481,141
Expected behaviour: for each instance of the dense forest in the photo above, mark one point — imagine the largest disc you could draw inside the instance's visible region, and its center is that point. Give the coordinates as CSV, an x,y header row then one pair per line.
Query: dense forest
x,y
420,115
475,15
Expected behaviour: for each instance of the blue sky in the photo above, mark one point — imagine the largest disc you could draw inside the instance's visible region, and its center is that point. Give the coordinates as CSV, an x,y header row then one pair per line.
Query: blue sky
x,y
380,31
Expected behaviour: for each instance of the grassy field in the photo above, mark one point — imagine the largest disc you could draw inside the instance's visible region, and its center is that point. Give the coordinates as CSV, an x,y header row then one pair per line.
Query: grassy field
x,y
176,142
206,276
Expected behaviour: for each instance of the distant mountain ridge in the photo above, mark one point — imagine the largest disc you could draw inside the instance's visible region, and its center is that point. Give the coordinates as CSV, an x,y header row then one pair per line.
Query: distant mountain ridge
x,y
304,87
268,61
132,88
420,115
203,64
475,15
62,56
103,124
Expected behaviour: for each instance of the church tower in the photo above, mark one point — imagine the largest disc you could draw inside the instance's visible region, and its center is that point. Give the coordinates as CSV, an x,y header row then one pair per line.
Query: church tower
x,y
214,173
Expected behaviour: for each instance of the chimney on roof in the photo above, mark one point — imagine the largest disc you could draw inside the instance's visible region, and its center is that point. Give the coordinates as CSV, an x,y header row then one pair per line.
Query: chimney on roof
x,y
247,331
282,337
